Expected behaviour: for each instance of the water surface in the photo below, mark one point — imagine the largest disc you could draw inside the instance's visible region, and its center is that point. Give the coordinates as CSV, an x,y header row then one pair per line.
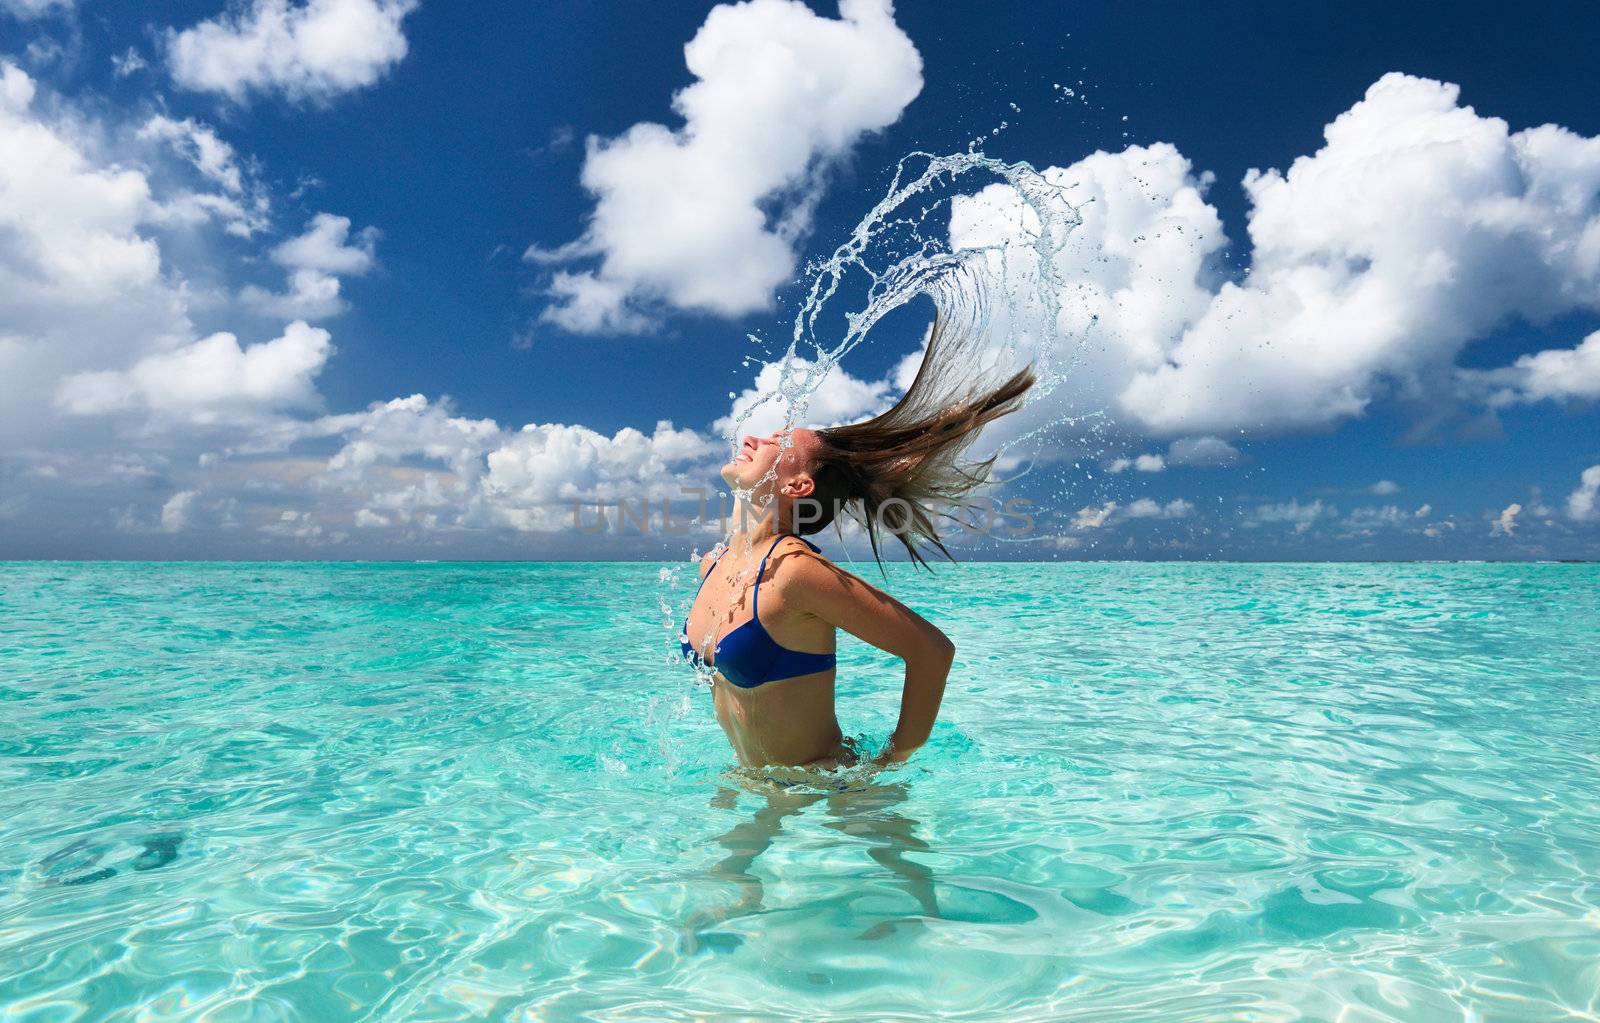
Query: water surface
x,y
437,792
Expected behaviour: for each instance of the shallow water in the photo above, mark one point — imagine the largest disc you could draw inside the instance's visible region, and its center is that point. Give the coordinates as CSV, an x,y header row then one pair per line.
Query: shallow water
x,y
427,792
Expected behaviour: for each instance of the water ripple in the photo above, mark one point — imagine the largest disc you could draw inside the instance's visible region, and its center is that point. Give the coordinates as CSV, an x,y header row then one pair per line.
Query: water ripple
x,y
365,792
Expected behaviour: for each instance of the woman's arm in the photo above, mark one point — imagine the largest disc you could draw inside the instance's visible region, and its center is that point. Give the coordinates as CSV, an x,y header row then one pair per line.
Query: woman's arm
x,y
846,602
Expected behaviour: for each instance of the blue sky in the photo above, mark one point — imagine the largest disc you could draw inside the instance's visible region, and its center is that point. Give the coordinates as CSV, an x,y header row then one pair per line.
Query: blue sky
x,y
381,207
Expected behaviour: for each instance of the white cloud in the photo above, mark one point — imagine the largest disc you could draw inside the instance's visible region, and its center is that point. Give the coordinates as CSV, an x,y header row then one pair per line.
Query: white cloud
x,y
213,157
1092,517
837,397
1506,523
1384,488
1557,374
81,273
1581,502
705,217
314,261
314,50
294,525
538,473
1136,237
328,246
412,464
391,431
1143,463
127,63
175,513
1301,516
590,304
68,227
242,206
1204,452
1145,508
1417,228
310,295
1368,518
213,380
110,389
27,10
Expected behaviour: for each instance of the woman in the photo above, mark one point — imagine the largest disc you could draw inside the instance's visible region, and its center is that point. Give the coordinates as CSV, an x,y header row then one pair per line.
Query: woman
x,y
765,616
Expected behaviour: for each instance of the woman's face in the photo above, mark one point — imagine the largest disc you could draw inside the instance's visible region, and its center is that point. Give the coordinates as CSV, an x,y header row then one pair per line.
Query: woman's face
x,y
779,463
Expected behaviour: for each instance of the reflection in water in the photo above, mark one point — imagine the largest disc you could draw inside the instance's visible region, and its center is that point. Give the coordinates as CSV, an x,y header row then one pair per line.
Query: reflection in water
x,y
864,811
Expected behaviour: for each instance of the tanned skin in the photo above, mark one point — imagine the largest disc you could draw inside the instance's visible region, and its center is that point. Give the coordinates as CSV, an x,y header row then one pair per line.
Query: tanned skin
x,y
805,599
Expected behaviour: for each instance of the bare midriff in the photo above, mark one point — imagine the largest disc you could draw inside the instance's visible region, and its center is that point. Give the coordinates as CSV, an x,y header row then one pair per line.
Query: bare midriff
x,y
788,722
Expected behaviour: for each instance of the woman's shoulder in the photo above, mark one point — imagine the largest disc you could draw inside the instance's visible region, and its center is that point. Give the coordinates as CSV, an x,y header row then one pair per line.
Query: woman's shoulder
x,y
797,561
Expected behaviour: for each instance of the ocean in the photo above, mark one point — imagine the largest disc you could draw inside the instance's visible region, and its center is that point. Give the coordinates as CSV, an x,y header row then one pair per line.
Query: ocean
x,y
1350,792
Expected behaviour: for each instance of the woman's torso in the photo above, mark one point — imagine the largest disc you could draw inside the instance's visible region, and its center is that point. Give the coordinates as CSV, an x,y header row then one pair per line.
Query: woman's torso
x,y
789,720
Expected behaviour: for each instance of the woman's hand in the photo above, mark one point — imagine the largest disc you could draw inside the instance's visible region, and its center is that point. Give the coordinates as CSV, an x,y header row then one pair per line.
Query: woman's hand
x,y
891,757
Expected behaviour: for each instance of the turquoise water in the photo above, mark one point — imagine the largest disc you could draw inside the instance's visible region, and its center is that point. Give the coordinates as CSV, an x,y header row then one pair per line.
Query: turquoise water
x,y
1158,792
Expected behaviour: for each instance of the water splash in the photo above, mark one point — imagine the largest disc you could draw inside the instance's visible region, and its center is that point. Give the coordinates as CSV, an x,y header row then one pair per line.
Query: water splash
x,y
1000,299
997,293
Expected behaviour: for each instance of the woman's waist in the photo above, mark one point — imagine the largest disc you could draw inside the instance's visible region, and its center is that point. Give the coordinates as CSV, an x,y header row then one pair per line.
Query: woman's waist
x,y
768,735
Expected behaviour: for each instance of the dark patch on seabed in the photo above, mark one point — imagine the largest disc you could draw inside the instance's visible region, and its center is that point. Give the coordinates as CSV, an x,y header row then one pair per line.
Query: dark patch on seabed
x,y
155,851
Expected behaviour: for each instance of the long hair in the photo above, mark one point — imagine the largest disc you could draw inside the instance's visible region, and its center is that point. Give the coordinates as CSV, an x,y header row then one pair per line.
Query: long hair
x,y
891,471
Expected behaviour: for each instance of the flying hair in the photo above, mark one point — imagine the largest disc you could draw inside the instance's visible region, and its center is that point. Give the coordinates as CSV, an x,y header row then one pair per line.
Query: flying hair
x,y
893,471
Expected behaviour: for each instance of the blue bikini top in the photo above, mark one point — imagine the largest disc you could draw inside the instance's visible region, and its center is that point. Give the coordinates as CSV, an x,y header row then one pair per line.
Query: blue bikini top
x,y
748,656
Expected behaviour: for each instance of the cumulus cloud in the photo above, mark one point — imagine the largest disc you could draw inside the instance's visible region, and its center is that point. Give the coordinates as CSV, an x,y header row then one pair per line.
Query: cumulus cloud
x,y
587,303
1418,227
393,430
414,464
705,217
213,157
536,475
212,380
1558,374
83,277
1301,516
1367,520
1581,502
111,390
70,226
1506,523
1093,516
1203,452
315,260
128,62
175,513
1146,508
241,206
26,10
832,397
1142,463
311,51
1384,488
328,246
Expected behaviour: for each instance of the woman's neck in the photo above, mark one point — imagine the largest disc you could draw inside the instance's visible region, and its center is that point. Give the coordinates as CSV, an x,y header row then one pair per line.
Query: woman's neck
x,y
761,527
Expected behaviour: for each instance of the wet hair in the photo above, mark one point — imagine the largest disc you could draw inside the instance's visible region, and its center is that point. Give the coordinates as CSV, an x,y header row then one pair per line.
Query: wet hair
x,y
892,471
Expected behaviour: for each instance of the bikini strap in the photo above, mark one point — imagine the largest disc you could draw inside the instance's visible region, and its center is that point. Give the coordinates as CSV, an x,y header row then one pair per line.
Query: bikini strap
x,y
755,600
